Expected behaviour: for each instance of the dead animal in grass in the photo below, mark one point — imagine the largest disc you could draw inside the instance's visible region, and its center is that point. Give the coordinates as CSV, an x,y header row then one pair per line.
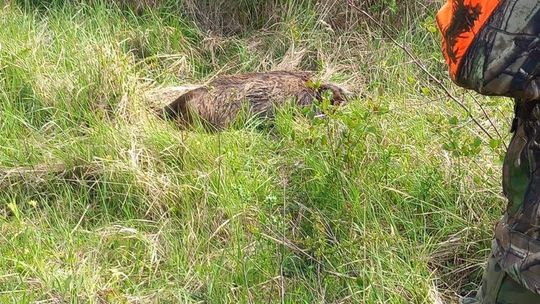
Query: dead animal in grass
x,y
220,102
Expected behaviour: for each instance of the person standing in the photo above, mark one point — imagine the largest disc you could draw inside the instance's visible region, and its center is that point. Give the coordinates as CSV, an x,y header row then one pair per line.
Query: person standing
x,y
493,47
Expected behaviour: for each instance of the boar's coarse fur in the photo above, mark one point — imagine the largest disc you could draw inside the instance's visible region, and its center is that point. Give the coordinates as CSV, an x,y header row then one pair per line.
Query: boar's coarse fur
x,y
220,102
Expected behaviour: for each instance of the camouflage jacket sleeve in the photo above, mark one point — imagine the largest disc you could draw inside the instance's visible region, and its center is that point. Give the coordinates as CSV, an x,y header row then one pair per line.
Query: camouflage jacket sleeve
x,y
493,46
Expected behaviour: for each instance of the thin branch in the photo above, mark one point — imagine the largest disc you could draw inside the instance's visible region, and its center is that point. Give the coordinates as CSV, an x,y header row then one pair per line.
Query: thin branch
x,y
421,66
479,104
31,175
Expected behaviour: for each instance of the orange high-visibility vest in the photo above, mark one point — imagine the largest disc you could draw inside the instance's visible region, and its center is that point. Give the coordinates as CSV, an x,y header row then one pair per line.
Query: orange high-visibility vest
x,y
459,21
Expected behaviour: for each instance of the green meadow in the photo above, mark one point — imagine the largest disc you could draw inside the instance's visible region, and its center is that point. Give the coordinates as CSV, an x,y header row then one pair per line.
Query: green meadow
x,y
391,198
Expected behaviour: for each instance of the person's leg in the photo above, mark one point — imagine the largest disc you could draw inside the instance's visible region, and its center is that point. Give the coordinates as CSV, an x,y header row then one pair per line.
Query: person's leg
x,y
491,284
511,292
499,288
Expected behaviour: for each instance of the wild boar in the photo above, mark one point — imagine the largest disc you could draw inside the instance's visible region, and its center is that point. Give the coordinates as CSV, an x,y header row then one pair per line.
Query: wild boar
x,y
219,102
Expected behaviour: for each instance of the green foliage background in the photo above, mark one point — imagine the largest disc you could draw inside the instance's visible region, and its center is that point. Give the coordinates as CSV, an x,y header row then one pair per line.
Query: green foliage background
x,y
390,199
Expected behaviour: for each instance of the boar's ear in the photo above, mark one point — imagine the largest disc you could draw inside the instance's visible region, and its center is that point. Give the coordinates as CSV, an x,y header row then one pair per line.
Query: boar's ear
x,y
338,94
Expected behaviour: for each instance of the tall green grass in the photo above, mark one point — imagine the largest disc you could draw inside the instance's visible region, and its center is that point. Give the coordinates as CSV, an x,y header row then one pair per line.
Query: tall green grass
x,y
390,199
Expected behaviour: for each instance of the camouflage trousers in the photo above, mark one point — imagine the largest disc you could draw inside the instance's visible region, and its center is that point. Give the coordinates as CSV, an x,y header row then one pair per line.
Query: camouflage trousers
x,y
499,288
